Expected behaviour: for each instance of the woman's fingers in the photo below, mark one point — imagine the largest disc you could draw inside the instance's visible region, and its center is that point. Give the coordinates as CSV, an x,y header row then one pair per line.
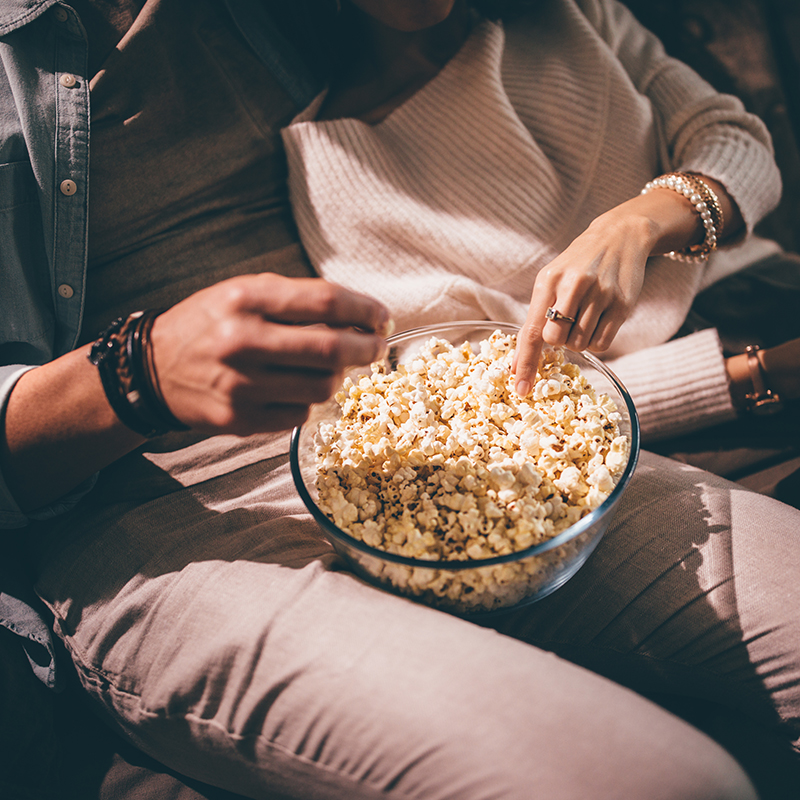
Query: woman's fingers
x,y
552,317
606,329
579,301
577,334
530,340
526,358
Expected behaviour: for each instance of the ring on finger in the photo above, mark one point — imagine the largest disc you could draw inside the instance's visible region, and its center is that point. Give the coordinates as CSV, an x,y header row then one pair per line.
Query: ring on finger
x,y
557,316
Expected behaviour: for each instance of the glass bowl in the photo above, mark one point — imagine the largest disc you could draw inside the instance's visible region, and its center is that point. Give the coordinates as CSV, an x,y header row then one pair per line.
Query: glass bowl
x,y
476,587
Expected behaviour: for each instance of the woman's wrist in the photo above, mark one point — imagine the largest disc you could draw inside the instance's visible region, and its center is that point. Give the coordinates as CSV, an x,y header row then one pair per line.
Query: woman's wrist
x,y
704,202
662,220
677,224
762,380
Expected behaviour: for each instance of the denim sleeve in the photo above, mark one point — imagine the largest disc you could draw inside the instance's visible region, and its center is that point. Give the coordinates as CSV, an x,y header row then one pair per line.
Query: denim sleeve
x,y
20,610
20,613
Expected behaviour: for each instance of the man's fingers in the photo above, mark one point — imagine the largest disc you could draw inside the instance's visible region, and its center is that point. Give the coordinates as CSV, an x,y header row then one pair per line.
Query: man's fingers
x,y
272,417
254,342
267,345
287,386
310,300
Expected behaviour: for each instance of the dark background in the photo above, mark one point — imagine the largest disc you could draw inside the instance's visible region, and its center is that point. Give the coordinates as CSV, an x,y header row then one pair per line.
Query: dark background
x,y
750,48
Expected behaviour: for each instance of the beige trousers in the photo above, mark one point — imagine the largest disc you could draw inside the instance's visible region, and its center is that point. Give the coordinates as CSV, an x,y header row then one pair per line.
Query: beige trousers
x,y
213,625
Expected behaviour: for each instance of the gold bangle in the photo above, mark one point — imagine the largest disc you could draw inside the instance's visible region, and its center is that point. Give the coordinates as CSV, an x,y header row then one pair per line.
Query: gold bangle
x,y
761,400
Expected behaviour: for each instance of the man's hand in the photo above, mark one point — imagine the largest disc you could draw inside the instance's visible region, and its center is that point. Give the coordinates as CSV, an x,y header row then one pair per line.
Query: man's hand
x,y
254,352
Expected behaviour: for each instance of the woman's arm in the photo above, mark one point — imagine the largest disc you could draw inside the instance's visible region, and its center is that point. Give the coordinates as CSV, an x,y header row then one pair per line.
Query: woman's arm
x,y
597,279
247,355
780,369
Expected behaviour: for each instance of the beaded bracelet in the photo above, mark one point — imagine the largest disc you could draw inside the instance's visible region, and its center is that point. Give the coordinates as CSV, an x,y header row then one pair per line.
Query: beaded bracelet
x,y
705,202
124,359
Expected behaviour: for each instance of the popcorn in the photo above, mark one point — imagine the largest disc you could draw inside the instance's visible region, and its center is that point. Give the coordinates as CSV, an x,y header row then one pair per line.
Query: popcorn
x,y
441,460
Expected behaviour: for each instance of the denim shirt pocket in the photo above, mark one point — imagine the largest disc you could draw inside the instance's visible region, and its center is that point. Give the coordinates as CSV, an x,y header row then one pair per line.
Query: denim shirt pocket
x,y
26,308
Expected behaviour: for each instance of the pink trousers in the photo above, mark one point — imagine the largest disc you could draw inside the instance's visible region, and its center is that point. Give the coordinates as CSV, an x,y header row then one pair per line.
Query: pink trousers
x,y
216,628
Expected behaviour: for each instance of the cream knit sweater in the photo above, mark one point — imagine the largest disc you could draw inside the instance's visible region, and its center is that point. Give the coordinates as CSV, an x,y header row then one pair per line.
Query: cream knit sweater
x,y
448,208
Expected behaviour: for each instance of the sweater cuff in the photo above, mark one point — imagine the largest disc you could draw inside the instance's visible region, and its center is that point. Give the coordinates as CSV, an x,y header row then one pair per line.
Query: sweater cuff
x,y
711,134
679,386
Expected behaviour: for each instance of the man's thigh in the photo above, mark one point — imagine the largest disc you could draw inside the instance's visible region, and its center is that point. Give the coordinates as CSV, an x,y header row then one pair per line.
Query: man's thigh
x,y
221,633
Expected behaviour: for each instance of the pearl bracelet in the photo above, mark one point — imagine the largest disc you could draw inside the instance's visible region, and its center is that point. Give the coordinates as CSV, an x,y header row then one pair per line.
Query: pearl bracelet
x,y
706,204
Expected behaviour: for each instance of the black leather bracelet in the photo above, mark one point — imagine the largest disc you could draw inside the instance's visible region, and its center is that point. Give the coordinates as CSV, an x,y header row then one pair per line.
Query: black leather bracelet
x,y
124,362
105,354
148,402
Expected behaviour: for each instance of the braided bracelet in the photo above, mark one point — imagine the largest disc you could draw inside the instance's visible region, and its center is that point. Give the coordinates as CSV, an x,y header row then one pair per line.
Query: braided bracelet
x,y
706,204
124,359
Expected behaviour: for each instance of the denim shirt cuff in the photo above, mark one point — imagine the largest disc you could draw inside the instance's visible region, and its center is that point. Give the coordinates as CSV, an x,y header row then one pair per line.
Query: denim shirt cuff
x,y
20,616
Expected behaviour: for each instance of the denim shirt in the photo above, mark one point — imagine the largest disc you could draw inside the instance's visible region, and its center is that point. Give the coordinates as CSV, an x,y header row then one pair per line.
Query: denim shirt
x,y
44,196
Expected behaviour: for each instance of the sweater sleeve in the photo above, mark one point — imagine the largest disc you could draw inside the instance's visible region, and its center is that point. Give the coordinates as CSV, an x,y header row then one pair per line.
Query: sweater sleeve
x,y
699,129
679,386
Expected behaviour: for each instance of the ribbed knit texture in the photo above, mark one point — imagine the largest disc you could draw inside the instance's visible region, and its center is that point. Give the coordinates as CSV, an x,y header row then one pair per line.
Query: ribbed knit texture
x,y
678,386
449,207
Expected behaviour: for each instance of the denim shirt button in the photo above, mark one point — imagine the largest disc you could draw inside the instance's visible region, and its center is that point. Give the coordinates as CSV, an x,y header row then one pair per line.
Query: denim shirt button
x,y
61,13
67,80
66,291
68,187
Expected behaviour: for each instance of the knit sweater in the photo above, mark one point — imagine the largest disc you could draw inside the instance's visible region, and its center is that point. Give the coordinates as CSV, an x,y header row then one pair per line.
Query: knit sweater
x,y
449,207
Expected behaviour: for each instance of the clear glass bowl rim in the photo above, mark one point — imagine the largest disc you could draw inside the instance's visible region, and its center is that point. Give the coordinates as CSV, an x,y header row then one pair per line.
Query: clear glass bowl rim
x,y
575,530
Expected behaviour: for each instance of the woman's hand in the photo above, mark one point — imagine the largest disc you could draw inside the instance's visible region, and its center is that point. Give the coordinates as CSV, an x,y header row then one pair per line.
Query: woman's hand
x,y
598,278
596,281
254,352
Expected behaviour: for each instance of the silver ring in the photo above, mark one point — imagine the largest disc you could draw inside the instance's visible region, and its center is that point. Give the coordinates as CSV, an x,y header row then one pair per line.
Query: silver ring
x,y
557,316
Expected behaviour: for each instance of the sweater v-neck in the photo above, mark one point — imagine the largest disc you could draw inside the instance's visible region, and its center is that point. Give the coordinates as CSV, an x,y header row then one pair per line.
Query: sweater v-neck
x,y
408,107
